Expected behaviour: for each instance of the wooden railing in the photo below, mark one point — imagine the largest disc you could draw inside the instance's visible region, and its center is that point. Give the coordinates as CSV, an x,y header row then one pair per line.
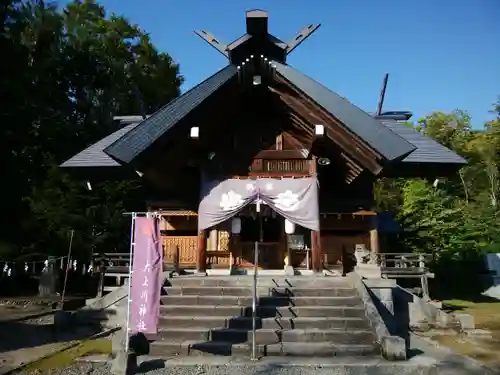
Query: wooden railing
x,y
115,265
407,265
403,263
300,166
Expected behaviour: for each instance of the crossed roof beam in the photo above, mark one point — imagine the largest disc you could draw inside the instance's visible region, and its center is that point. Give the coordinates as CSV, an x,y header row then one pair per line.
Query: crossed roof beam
x,y
257,26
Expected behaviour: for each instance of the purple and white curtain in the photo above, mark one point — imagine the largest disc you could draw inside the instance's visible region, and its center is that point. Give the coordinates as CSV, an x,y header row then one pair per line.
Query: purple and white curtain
x,y
296,199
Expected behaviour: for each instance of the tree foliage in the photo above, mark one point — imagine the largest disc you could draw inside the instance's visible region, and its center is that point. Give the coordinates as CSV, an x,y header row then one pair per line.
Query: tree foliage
x,y
457,218
66,73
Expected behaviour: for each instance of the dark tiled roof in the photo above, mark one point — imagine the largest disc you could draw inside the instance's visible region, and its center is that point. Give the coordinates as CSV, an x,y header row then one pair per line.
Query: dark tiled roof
x,y
389,144
94,156
428,150
134,142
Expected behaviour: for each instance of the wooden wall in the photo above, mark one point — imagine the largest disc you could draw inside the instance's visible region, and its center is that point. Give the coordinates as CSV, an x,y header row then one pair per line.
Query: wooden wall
x,y
342,233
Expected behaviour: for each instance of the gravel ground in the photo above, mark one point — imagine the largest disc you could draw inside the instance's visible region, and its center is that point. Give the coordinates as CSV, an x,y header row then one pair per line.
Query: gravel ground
x,y
103,369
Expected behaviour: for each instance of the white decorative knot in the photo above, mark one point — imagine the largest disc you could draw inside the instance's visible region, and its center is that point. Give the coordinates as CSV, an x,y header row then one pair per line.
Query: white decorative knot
x,y
287,201
25,267
75,264
231,200
5,267
9,272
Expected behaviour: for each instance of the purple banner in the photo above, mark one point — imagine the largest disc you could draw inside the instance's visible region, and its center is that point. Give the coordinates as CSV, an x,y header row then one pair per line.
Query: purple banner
x,y
145,289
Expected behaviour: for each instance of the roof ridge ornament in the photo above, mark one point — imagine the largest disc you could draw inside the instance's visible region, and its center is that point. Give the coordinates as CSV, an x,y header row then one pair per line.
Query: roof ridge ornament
x,y
257,40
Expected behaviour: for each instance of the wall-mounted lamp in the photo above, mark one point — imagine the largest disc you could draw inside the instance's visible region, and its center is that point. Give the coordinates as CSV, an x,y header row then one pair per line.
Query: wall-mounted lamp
x,y
89,186
236,225
319,130
195,132
289,227
324,161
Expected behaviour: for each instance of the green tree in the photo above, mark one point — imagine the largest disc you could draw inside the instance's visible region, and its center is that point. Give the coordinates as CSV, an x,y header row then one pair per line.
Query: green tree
x,y
70,71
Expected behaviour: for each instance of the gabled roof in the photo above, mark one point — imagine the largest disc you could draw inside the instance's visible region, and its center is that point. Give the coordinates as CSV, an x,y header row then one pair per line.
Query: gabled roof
x,y
427,149
94,156
133,143
379,137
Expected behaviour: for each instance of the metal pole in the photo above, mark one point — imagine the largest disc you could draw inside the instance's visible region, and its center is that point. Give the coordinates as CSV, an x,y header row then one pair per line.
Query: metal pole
x,y
254,301
382,95
67,268
254,284
132,244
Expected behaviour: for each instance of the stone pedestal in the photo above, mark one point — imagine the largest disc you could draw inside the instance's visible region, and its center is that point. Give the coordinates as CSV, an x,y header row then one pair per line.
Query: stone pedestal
x,y
368,271
289,271
124,363
49,278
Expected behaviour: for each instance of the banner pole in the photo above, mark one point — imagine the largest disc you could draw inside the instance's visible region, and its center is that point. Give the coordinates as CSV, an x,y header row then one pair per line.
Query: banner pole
x,y
254,284
254,302
132,244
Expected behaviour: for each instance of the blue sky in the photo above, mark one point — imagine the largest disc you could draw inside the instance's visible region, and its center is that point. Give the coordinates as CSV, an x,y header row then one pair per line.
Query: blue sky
x,y
441,54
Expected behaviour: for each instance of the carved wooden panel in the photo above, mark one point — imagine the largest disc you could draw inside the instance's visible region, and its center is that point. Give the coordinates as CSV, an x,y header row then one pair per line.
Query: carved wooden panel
x,y
222,246
188,246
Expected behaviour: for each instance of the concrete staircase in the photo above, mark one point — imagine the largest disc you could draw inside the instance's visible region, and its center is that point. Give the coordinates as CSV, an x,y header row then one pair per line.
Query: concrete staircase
x,y
297,316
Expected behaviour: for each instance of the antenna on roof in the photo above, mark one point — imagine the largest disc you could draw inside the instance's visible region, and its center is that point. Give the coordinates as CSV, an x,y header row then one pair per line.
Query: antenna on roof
x,y
382,94
213,41
301,36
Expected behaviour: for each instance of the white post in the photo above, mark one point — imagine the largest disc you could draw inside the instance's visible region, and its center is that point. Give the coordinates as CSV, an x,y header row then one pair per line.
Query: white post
x,y
132,245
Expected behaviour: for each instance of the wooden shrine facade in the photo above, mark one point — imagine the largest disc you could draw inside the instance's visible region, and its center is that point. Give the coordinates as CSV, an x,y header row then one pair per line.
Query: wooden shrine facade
x,y
260,118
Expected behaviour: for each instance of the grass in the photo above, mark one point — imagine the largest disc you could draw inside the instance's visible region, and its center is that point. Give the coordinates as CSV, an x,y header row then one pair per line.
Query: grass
x,y
68,357
486,316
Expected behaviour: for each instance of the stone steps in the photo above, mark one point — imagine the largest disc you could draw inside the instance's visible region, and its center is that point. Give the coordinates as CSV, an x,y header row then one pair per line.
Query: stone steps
x,y
262,281
267,336
264,311
242,322
296,316
226,300
218,348
245,291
